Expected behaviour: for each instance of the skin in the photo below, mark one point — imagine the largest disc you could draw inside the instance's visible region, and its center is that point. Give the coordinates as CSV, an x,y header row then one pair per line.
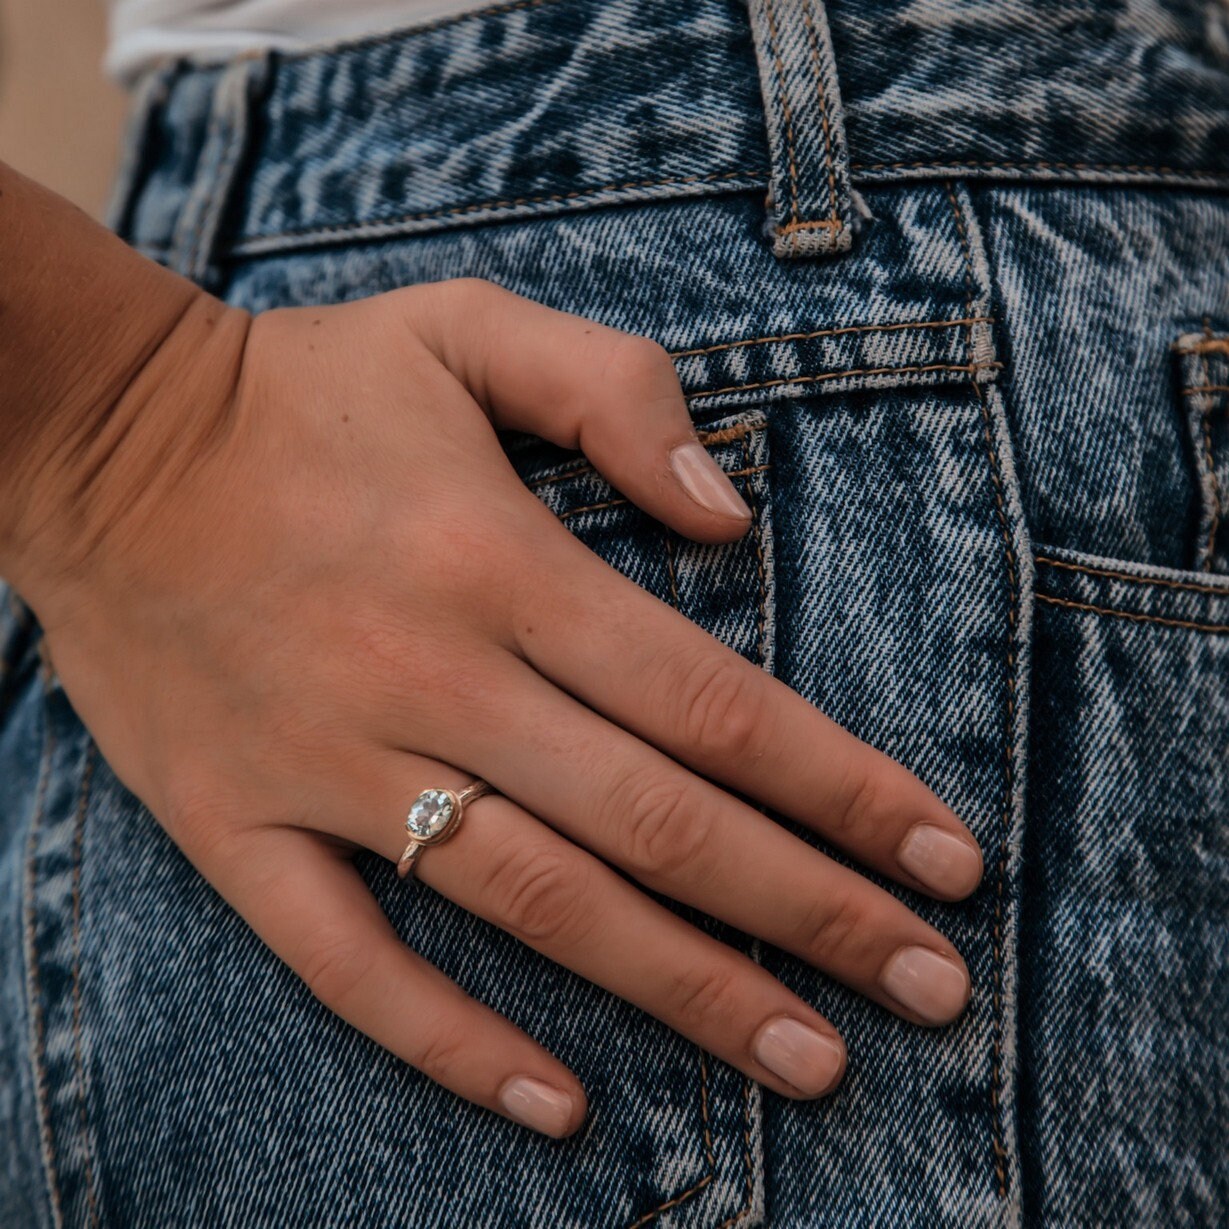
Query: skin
x,y
221,495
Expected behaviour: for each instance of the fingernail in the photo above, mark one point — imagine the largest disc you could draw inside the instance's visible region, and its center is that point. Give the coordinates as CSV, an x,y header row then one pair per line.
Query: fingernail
x,y
927,983
808,1060
943,862
705,481
537,1105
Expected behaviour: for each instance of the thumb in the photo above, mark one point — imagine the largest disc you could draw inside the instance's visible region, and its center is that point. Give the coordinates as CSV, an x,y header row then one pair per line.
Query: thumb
x,y
581,384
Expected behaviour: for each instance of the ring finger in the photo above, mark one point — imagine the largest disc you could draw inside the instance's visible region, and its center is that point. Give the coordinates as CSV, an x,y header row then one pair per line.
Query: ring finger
x,y
509,868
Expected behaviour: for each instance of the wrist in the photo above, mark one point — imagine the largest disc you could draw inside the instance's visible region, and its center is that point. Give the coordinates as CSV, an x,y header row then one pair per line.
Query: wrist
x,y
96,346
114,445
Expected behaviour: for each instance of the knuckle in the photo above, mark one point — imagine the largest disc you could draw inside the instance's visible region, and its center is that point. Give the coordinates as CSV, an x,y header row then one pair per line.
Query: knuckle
x,y
723,716
445,1054
638,360
203,826
833,931
853,816
540,895
665,828
334,966
704,998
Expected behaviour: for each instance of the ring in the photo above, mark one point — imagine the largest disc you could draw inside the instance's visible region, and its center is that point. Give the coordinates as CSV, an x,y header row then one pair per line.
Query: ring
x,y
434,816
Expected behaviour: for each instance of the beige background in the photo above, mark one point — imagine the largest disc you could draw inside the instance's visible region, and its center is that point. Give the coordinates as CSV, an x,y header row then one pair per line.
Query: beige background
x,y
60,118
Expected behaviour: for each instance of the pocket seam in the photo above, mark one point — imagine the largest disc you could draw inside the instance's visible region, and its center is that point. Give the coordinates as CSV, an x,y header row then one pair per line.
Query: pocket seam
x,y
1108,573
724,435
1134,615
746,426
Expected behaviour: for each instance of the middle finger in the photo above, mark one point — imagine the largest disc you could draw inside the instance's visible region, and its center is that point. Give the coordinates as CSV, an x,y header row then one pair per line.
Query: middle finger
x,y
683,836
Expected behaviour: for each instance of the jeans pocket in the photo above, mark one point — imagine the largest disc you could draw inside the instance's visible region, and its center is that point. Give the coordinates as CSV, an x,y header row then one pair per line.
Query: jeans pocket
x,y
1125,895
726,588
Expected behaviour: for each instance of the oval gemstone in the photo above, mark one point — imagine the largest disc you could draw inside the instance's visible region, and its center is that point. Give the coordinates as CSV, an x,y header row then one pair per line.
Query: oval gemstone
x,y
429,815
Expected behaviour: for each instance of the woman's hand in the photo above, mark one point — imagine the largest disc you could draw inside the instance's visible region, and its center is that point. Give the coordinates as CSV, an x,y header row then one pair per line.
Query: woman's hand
x,y
305,583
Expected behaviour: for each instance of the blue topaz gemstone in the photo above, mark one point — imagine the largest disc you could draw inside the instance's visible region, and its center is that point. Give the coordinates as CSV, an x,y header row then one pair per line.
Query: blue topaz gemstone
x,y
431,813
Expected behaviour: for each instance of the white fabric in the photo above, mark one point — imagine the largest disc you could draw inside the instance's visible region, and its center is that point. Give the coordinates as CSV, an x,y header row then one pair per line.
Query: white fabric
x,y
142,31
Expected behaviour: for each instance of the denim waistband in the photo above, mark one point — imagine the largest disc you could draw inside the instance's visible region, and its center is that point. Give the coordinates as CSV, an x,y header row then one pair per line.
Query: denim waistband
x,y
542,106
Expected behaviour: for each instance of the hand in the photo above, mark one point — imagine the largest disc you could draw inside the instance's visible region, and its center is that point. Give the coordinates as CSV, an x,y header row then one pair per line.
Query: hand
x,y
306,583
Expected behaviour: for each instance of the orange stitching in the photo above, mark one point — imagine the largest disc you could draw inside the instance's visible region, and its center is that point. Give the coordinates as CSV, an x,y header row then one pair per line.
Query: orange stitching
x,y
727,435
789,119
1133,615
708,1139
533,483
762,648
1138,580
253,241
997,1145
747,1184
928,165
970,369
744,433
1206,388
969,290
78,838
823,111
648,1216
610,503
1212,345
674,588
1210,459
849,328
822,224
35,991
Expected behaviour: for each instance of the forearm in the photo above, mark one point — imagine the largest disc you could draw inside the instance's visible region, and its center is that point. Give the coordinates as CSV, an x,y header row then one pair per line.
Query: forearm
x,y
89,330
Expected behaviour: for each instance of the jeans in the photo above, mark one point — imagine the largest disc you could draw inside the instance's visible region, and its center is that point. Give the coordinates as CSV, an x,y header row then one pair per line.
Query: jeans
x,y
947,288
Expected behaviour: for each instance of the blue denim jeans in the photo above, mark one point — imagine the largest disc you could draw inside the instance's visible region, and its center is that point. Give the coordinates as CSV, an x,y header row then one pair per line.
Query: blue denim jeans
x,y
947,288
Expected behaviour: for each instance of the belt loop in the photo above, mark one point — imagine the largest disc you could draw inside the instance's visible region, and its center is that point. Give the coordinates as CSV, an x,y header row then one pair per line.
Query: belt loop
x,y
199,226
811,205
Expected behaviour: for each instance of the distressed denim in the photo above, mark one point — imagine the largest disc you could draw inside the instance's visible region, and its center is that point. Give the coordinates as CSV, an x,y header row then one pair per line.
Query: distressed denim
x,y
947,288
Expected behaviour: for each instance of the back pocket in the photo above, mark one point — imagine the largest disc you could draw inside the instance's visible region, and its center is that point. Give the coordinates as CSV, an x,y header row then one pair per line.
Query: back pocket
x,y
1125,894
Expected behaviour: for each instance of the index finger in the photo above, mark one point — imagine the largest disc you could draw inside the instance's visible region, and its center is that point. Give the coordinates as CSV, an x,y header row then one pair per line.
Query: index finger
x,y
648,668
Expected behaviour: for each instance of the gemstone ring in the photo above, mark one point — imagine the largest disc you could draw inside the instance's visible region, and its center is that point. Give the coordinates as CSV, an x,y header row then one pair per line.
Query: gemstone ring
x,y
434,817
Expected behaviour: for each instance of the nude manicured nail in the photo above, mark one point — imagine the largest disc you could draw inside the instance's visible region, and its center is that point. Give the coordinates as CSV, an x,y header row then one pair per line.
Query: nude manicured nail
x,y
705,481
943,862
926,983
802,1057
537,1105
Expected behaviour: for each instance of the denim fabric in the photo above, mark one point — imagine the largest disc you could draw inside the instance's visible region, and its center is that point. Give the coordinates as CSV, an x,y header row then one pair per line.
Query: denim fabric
x,y
987,447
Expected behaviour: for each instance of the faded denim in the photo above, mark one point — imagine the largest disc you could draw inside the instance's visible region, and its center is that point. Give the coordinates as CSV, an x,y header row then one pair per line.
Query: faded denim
x,y
947,287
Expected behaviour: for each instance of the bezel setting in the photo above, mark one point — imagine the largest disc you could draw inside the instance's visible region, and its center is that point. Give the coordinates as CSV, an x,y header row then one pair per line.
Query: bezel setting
x,y
438,798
